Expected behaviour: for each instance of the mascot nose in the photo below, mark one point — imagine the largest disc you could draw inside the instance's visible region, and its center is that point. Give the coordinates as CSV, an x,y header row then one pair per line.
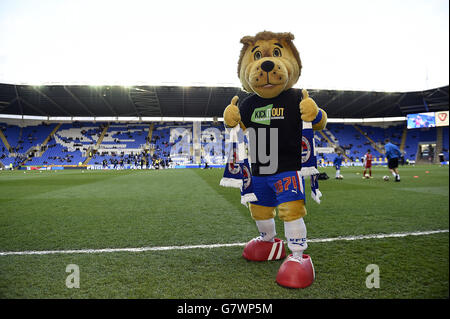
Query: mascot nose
x,y
267,66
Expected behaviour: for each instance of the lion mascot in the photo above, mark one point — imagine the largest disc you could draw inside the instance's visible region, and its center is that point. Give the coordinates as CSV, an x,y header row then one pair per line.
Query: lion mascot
x,y
269,66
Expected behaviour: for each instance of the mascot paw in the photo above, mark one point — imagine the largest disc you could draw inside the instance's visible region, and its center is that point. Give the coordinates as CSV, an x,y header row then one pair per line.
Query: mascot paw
x,y
294,273
231,115
308,108
259,250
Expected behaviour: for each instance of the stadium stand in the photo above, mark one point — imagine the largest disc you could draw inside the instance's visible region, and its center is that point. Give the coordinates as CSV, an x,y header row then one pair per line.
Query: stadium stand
x,y
120,141
129,143
160,125
68,144
22,141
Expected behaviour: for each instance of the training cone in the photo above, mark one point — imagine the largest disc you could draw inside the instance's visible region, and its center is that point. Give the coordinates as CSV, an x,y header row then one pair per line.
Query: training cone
x,y
259,250
296,274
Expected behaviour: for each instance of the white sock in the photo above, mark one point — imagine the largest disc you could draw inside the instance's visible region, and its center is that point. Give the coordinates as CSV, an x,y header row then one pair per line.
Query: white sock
x,y
338,172
266,229
295,232
393,174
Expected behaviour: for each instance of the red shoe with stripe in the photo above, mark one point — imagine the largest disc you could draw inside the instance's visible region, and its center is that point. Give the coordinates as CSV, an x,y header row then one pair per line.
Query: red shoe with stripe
x,y
296,273
260,250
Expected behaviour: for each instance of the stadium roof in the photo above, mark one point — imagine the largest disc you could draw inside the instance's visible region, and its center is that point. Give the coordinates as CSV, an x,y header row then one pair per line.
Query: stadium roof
x,y
177,101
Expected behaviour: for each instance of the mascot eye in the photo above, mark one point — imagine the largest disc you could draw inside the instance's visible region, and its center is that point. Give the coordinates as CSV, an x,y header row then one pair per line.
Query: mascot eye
x,y
276,52
257,55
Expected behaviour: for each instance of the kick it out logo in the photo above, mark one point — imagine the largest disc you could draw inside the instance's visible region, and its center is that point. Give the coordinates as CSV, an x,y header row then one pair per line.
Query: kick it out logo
x,y
263,115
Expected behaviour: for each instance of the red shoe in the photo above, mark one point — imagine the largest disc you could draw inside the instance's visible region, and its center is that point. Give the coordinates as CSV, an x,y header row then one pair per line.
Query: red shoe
x,y
294,273
260,250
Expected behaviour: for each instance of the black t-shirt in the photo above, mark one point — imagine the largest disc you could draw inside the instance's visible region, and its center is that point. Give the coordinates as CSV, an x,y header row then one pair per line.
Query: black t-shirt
x,y
283,113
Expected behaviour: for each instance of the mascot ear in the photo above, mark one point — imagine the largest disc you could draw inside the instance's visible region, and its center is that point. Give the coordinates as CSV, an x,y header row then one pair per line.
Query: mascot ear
x,y
246,41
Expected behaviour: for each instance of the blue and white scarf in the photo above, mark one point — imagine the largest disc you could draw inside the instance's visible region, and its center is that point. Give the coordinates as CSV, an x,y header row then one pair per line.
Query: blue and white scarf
x,y
309,160
237,171
232,176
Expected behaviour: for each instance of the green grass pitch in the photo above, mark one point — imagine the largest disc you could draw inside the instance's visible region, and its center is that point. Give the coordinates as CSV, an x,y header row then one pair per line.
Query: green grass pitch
x,y
65,210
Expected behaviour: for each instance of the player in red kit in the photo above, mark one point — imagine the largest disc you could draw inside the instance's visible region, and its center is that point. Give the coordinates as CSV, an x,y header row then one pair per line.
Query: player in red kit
x,y
368,164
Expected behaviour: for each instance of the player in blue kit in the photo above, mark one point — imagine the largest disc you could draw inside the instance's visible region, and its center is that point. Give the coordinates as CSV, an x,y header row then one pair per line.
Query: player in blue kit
x,y
393,154
337,162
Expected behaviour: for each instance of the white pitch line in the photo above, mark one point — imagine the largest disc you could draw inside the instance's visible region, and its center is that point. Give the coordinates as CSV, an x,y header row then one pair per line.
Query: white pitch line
x,y
162,248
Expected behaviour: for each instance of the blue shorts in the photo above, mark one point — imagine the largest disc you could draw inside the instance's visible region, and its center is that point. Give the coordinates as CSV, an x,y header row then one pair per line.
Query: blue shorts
x,y
274,190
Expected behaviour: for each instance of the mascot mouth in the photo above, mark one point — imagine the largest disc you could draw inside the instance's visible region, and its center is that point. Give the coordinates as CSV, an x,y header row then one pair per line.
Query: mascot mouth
x,y
268,85
258,79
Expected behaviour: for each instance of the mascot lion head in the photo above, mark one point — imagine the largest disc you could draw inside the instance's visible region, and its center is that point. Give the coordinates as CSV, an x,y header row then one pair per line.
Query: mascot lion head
x,y
269,63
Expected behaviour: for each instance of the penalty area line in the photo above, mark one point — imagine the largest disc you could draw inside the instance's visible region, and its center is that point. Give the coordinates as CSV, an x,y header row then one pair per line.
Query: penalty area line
x,y
210,246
